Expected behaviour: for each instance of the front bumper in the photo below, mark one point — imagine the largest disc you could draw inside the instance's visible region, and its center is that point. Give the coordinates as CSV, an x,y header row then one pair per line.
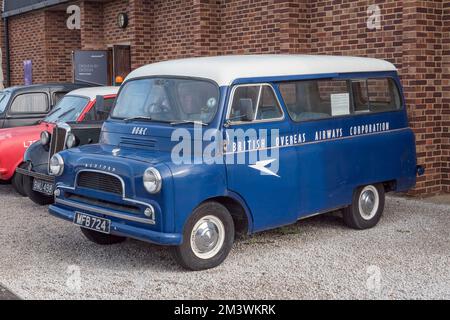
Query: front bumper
x,y
36,175
122,229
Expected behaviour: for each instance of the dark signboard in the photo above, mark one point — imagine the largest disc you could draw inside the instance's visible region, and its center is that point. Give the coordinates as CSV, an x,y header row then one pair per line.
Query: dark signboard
x,y
13,7
91,67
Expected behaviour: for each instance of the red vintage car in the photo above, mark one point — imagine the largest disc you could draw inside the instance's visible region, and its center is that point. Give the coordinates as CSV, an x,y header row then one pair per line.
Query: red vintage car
x,y
77,105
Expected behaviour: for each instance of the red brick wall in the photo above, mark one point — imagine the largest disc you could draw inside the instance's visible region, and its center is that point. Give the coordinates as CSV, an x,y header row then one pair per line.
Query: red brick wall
x,y
27,41
263,26
59,44
3,59
92,31
112,33
446,97
422,78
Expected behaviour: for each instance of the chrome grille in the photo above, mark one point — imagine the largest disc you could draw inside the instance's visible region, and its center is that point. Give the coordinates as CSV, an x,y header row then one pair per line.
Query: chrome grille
x,y
57,142
100,182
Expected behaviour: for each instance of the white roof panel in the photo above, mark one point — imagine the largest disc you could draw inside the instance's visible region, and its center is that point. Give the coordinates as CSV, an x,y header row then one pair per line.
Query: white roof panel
x,y
93,92
225,69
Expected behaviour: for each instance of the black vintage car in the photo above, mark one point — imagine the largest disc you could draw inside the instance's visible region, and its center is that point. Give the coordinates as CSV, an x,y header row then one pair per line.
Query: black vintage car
x,y
38,185
27,105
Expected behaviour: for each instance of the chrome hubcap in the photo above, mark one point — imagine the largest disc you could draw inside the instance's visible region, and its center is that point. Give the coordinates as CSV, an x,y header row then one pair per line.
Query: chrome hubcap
x,y
368,202
207,237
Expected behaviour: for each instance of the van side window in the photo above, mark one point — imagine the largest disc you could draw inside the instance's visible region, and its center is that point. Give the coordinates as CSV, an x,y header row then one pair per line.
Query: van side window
x,y
375,95
319,99
30,103
316,99
254,103
360,96
383,95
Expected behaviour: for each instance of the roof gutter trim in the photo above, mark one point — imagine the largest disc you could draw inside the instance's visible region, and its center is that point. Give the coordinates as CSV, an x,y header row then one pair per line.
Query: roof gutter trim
x,y
32,7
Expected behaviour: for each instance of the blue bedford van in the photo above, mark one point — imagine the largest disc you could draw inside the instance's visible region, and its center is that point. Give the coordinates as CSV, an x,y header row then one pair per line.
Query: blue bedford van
x,y
199,150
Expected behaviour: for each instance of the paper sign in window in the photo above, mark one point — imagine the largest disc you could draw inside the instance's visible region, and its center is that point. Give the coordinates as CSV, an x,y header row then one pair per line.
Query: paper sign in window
x,y
340,104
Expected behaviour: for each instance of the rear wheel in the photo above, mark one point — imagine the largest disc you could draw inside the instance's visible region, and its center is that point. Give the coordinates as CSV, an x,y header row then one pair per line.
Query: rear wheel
x,y
207,238
101,238
367,207
36,197
17,181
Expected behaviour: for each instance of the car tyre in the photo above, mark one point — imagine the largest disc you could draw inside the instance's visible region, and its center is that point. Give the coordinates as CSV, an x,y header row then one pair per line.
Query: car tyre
x,y
17,181
367,207
36,197
102,238
208,237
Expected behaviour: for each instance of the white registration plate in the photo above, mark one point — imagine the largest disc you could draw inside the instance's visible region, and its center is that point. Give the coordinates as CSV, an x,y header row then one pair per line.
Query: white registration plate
x,y
43,187
92,223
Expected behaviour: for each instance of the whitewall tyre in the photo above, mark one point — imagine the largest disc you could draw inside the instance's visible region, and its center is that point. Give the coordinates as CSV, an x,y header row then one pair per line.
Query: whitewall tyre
x,y
208,237
367,207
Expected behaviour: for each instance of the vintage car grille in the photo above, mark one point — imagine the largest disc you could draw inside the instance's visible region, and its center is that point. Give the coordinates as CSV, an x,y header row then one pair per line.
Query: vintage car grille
x,y
58,140
99,181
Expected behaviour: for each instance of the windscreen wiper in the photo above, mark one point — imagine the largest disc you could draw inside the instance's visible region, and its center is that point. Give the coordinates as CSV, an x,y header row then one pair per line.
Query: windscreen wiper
x,y
138,118
53,111
175,123
65,113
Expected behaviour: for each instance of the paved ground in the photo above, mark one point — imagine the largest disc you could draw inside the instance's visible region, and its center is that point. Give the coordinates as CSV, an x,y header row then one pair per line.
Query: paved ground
x,y
406,257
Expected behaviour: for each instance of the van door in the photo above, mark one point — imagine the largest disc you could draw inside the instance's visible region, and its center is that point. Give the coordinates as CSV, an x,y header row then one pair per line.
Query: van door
x,y
320,109
259,172
27,109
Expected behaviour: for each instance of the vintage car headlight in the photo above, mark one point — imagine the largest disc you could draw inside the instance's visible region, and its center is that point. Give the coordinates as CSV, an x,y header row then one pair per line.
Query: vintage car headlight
x,y
56,167
152,180
72,141
45,138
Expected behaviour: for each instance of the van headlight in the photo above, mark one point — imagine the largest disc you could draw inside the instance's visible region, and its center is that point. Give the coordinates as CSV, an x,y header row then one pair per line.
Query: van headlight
x,y
45,138
56,167
72,141
152,180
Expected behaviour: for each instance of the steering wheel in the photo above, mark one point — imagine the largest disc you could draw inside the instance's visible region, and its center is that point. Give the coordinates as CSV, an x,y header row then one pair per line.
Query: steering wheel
x,y
160,109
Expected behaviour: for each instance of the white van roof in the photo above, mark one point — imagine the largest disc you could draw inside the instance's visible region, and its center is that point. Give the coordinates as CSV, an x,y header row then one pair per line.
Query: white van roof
x,y
93,92
225,69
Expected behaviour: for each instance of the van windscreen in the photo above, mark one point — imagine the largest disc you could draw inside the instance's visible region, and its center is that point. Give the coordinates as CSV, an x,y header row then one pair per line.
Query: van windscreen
x,y
167,100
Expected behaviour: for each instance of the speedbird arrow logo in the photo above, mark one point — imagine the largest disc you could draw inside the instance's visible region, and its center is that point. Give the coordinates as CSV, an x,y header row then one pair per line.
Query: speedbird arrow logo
x,y
262,166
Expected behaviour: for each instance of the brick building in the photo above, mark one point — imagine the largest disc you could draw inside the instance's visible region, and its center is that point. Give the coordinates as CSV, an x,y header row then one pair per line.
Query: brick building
x,y
413,34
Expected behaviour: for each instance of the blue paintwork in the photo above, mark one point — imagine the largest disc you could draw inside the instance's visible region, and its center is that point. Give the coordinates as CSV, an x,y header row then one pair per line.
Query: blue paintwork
x,y
314,176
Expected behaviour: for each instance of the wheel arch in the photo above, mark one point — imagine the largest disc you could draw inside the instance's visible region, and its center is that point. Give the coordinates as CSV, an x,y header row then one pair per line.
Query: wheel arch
x,y
242,218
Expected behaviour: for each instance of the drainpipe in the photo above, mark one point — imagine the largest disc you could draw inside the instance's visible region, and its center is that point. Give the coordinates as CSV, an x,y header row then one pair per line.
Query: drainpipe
x,y
7,56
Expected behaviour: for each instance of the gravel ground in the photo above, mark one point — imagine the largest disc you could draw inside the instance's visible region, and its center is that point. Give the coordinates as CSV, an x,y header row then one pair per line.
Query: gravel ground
x,y
407,256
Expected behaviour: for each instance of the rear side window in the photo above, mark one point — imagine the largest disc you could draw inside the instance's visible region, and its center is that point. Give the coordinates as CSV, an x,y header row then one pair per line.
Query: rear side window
x,y
318,99
30,103
100,115
254,103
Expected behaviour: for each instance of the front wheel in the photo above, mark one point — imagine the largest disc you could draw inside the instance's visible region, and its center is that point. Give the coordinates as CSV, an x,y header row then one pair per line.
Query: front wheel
x,y
367,207
207,238
17,181
36,197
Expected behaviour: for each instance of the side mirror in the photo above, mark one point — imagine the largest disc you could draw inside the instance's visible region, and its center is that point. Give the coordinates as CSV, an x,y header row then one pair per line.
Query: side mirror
x,y
100,106
246,109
